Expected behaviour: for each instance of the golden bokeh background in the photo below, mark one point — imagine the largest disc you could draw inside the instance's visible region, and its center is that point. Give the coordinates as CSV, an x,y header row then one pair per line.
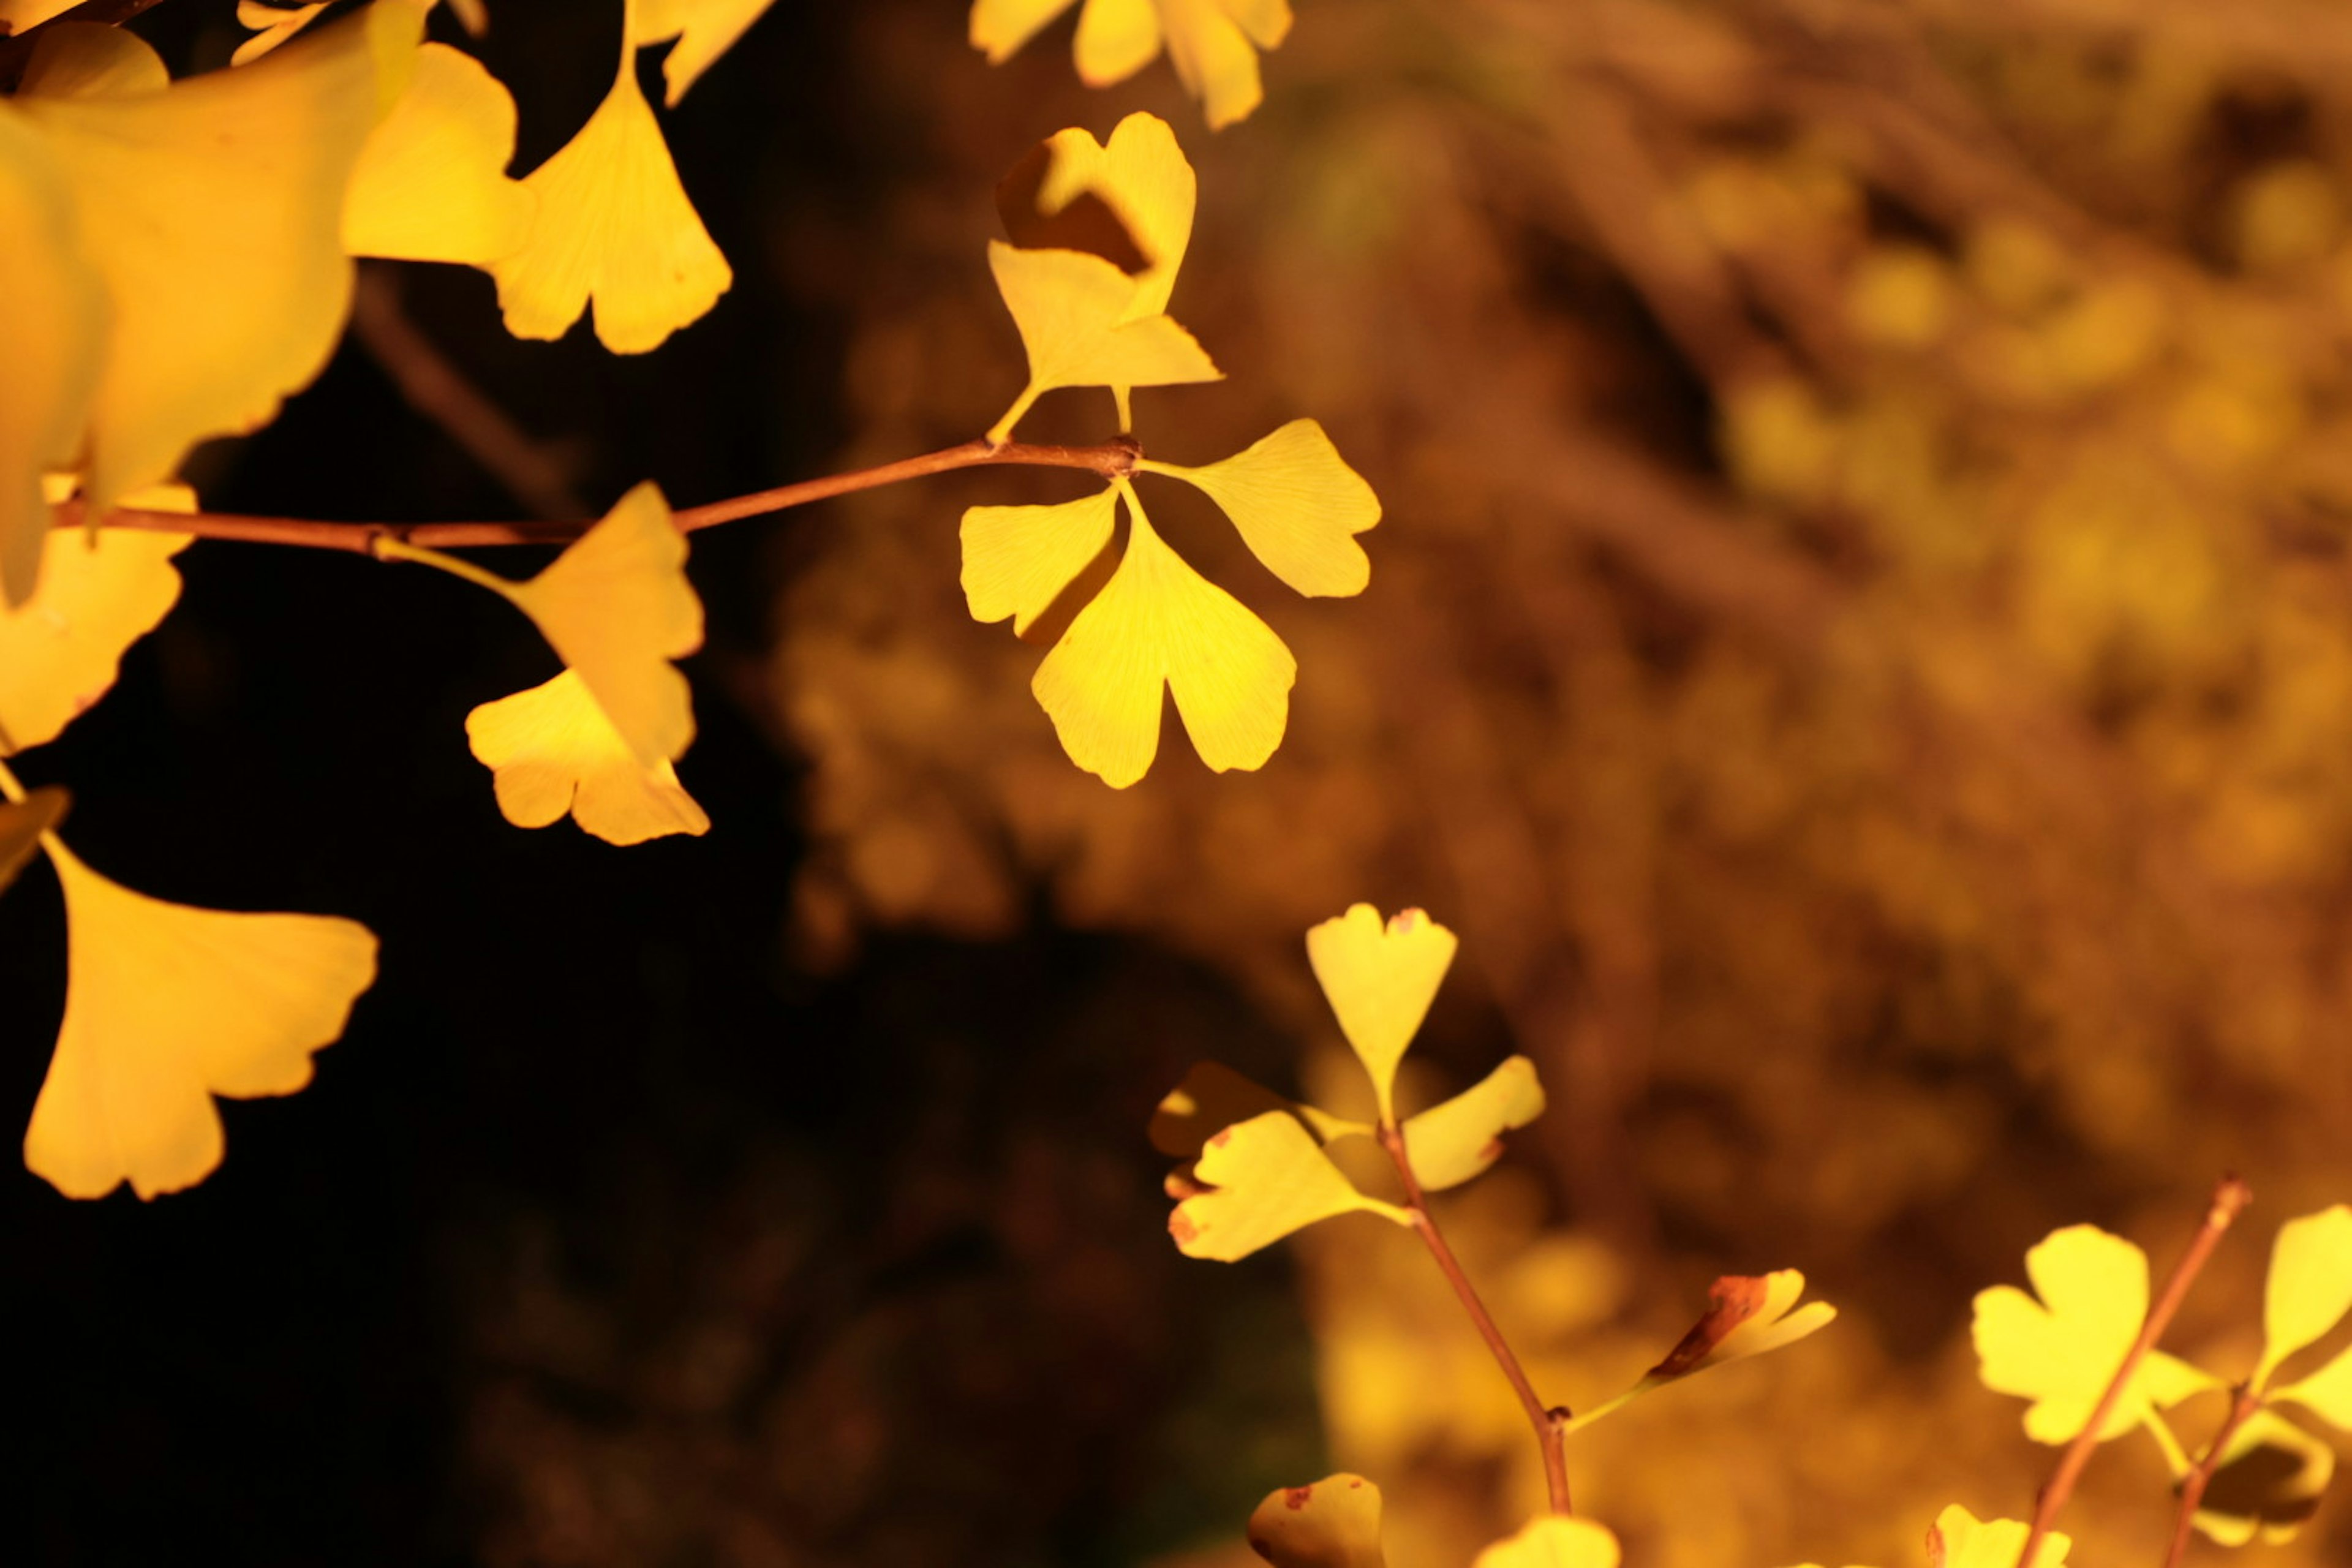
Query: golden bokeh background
x,y
1859,645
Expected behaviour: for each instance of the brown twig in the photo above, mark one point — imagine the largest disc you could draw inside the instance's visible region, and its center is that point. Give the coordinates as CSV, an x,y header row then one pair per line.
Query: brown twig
x,y
2194,1484
1548,1422
1113,458
529,470
2230,1198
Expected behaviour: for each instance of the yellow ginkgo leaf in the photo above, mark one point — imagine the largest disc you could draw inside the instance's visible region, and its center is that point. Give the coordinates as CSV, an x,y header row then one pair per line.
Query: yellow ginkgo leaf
x,y
431,183
1333,1523
1747,1315
102,590
1214,1097
2326,1394
704,29
616,607
551,751
1552,1541
1960,1540
2310,1285
1159,622
23,15
1298,505
1071,309
1116,39
53,319
1018,559
22,822
1380,980
210,211
2062,1351
167,1006
90,59
2269,1482
1266,1177
998,27
1451,1142
1141,176
271,25
614,227
1214,44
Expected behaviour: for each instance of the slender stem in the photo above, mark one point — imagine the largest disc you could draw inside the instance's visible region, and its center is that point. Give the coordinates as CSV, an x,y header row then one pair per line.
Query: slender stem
x,y
2230,1198
2194,1484
1549,1423
11,788
1114,458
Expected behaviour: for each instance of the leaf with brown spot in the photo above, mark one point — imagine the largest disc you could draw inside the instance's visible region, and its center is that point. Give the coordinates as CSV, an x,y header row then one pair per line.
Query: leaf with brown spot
x,y
1334,1523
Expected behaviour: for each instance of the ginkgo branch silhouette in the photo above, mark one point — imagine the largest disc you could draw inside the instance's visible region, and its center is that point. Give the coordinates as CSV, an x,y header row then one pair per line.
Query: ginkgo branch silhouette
x,y
1114,458
2231,1196
1549,1421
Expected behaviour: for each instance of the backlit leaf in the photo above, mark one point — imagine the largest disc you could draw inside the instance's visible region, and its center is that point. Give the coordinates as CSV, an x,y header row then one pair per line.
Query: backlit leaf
x,y
1747,1315
1960,1540
2062,1351
1333,1523
2271,1478
1140,174
1018,559
550,750
1214,44
22,822
102,590
2326,1394
1453,1141
616,607
1380,980
271,25
704,29
1160,622
53,318
211,212
1298,505
2310,1285
1552,1541
1071,309
614,228
167,1006
90,59
22,15
1214,1097
1267,1177
431,182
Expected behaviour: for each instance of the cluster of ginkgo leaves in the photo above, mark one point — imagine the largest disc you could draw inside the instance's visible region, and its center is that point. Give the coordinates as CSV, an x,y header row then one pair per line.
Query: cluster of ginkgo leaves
x,y
1257,1167
180,261
1157,623
2060,1351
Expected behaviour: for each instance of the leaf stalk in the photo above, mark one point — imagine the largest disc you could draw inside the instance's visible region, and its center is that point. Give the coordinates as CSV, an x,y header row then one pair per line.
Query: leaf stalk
x,y
1550,1422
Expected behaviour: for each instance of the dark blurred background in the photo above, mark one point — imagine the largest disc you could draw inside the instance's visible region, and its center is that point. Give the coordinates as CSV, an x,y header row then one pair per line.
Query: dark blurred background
x,y
1858,647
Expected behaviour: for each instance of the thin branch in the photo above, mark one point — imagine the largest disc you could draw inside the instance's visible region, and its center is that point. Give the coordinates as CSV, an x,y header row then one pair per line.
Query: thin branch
x,y
2230,1198
529,470
1548,1423
1114,458
2194,1484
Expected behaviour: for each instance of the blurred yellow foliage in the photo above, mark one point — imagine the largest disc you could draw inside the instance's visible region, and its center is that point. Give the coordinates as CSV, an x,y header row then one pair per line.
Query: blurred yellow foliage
x,y
1862,648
